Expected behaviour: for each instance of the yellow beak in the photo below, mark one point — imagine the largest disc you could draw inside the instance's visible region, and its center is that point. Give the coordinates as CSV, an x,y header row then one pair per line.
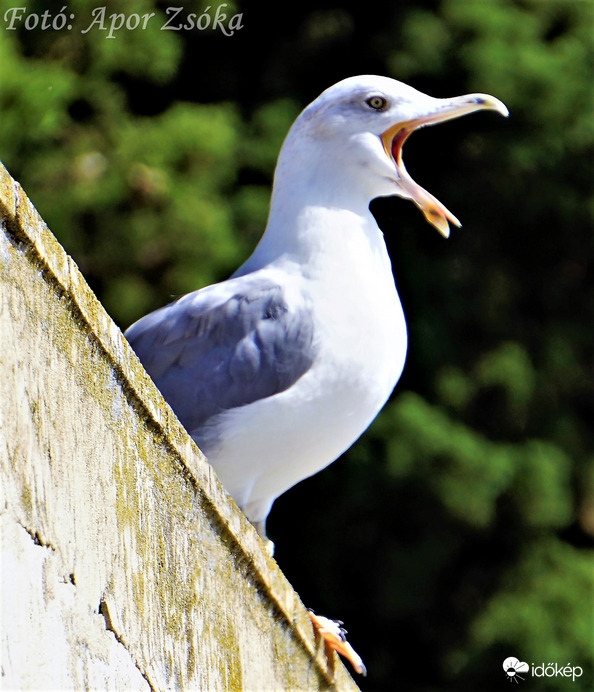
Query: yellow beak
x,y
394,137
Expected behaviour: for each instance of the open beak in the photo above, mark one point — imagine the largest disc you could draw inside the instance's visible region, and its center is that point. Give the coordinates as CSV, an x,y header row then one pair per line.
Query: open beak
x,y
394,137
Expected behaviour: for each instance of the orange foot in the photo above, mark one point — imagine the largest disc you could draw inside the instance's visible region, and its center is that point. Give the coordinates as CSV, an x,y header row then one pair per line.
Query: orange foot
x,y
334,636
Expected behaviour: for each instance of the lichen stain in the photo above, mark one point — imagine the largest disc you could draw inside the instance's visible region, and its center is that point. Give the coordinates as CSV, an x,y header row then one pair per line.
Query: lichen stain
x,y
162,513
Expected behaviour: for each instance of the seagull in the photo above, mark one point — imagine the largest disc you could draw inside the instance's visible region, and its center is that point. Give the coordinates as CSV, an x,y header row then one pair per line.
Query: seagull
x,y
278,370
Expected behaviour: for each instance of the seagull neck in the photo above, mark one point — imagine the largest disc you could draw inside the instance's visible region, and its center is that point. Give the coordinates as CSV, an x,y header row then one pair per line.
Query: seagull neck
x,y
305,233
316,208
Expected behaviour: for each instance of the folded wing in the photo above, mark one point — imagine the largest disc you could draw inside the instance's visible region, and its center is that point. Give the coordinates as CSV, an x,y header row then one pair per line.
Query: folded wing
x,y
224,346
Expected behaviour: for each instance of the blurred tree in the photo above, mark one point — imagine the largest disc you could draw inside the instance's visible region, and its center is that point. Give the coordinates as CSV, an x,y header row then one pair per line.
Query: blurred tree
x,y
459,530
140,201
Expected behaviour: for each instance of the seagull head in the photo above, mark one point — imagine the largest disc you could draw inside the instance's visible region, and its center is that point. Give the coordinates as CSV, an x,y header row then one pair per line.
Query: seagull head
x,y
354,133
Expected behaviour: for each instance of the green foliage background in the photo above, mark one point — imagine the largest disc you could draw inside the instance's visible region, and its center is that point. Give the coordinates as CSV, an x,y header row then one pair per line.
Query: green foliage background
x,y
460,529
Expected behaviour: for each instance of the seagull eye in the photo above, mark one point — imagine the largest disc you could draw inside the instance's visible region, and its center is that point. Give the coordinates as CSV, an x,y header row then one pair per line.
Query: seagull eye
x,y
378,103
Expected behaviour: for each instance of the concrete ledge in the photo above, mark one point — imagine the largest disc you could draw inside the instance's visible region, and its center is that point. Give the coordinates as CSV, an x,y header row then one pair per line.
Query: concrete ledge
x,y
124,563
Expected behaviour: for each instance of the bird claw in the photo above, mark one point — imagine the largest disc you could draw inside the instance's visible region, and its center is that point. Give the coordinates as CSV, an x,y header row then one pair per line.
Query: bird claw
x,y
334,636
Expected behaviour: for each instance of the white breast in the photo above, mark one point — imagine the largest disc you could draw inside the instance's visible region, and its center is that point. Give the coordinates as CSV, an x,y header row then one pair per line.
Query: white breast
x,y
271,444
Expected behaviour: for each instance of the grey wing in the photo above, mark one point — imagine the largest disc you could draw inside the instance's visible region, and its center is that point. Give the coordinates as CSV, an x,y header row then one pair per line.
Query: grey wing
x,y
216,350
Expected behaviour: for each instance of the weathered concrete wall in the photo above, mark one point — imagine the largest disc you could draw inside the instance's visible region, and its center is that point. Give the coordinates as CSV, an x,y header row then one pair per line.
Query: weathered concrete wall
x,y
124,564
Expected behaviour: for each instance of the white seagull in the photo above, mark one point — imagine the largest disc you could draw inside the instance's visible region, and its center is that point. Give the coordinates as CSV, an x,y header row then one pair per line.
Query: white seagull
x,y
278,370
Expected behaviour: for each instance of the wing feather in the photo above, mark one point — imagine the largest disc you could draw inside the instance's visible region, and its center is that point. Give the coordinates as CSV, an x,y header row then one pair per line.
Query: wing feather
x,y
224,346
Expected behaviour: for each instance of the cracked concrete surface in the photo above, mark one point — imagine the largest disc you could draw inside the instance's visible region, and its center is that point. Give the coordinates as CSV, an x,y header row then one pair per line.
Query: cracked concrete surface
x,y
43,619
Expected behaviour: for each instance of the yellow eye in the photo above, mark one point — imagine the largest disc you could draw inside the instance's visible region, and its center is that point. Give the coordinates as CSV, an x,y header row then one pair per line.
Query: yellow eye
x,y
378,103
